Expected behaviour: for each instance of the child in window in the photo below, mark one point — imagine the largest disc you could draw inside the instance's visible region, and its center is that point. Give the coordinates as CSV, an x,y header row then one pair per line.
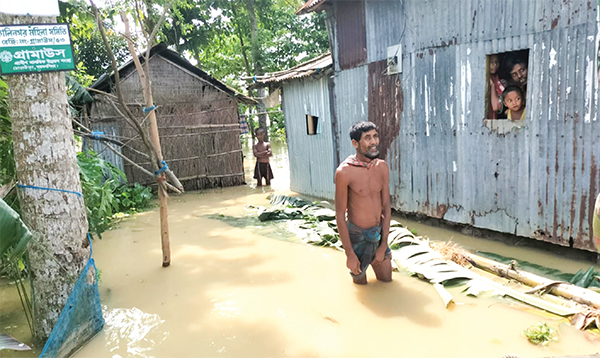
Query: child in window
x,y
514,101
497,86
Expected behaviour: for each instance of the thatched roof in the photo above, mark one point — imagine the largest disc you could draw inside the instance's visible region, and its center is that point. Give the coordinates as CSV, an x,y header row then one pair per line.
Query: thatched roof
x,y
105,81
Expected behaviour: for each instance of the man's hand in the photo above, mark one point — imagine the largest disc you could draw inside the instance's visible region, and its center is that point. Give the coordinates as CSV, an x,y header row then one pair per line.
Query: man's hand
x,y
353,264
380,254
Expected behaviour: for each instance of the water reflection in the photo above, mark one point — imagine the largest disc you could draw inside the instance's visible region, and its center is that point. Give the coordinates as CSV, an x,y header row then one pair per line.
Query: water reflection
x,y
131,332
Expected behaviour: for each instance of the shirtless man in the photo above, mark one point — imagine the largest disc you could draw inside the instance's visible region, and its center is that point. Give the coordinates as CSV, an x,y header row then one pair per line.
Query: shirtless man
x,y
262,152
361,189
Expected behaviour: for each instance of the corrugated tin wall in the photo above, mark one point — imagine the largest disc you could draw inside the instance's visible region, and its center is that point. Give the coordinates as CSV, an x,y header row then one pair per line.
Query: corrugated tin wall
x,y
311,157
536,181
350,28
111,130
351,105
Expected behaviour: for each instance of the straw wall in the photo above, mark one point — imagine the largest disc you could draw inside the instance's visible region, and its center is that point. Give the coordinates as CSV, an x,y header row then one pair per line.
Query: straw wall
x,y
198,126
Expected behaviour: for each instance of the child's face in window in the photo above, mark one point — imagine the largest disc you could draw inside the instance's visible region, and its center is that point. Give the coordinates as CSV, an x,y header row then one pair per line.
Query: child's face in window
x,y
494,65
513,101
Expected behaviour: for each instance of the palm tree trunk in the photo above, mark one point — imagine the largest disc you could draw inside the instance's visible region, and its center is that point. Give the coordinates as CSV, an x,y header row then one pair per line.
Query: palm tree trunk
x,y
45,156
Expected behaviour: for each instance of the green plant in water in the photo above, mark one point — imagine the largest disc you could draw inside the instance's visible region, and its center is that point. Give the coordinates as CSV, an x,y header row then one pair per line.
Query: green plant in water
x,y
134,197
540,334
99,276
106,194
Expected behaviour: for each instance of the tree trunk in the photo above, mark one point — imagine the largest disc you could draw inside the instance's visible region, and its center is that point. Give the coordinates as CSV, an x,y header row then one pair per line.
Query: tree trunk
x,y
563,289
258,70
44,149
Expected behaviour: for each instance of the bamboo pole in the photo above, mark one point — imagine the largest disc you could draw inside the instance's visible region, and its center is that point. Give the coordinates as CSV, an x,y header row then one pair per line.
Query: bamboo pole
x,y
155,138
139,167
563,289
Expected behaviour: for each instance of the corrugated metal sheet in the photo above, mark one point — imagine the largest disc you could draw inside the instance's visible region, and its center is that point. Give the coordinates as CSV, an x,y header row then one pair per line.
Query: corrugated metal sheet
x,y
537,181
437,23
351,105
386,103
309,68
111,130
312,164
351,34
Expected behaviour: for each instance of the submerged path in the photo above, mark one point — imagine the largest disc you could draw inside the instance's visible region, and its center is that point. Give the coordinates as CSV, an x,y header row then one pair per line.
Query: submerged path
x,y
232,292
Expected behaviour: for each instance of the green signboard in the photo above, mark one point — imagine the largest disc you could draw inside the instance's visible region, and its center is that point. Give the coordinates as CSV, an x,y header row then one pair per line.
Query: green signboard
x,y
35,48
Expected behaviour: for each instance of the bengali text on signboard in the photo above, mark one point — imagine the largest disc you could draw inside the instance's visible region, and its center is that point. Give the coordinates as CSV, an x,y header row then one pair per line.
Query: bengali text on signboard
x,y
35,48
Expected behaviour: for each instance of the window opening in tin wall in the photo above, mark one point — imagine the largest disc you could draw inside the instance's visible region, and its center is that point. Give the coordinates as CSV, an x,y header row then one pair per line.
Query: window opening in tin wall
x,y
312,122
506,85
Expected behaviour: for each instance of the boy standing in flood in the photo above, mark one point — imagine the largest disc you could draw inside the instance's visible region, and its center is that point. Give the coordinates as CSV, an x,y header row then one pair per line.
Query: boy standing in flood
x,y
262,152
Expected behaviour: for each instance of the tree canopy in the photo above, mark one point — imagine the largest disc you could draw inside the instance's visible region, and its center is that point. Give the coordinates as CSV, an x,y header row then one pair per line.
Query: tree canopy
x,y
214,34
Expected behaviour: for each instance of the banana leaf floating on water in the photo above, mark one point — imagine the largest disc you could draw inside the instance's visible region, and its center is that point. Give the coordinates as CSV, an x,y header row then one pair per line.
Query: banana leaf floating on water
x,y
289,207
415,255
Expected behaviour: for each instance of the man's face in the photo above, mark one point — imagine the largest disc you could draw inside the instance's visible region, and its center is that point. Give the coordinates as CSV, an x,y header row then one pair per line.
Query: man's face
x,y
368,144
519,73
260,135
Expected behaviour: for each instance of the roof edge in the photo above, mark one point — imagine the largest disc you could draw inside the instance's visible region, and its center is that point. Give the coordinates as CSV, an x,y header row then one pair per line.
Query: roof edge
x,y
311,6
161,49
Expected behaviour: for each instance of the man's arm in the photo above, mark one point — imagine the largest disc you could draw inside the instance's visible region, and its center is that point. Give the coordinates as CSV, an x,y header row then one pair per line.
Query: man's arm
x,y
386,212
341,204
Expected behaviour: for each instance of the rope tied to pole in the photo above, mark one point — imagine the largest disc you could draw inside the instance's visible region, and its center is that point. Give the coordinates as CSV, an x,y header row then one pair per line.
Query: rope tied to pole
x,y
97,134
51,189
162,169
149,109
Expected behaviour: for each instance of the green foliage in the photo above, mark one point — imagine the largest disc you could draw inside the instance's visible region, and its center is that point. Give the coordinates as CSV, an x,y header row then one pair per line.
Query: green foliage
x,y
277,128
218,35
540,334
7,161
104,194
13,241
190,26
15,235
90,52
133,198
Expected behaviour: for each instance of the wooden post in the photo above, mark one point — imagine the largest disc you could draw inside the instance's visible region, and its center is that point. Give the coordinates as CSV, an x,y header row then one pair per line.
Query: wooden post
x,y
155,138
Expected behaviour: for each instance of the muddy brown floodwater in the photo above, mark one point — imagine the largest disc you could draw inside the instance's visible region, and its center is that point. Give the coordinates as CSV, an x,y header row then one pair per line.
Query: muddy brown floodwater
x,y
239,292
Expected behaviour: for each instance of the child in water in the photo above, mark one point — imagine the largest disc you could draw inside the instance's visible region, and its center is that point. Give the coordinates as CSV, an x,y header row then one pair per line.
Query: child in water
x,y
514,101
262,152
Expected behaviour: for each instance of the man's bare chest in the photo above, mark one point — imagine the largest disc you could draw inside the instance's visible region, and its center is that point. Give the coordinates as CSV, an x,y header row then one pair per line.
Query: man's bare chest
x,y
366,183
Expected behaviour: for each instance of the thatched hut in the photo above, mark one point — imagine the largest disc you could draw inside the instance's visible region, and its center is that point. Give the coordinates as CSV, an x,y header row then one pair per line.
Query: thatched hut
x,y
197,121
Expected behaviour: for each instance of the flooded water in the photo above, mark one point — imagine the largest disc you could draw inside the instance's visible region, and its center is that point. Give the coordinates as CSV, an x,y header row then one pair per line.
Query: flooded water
x,y
237,292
